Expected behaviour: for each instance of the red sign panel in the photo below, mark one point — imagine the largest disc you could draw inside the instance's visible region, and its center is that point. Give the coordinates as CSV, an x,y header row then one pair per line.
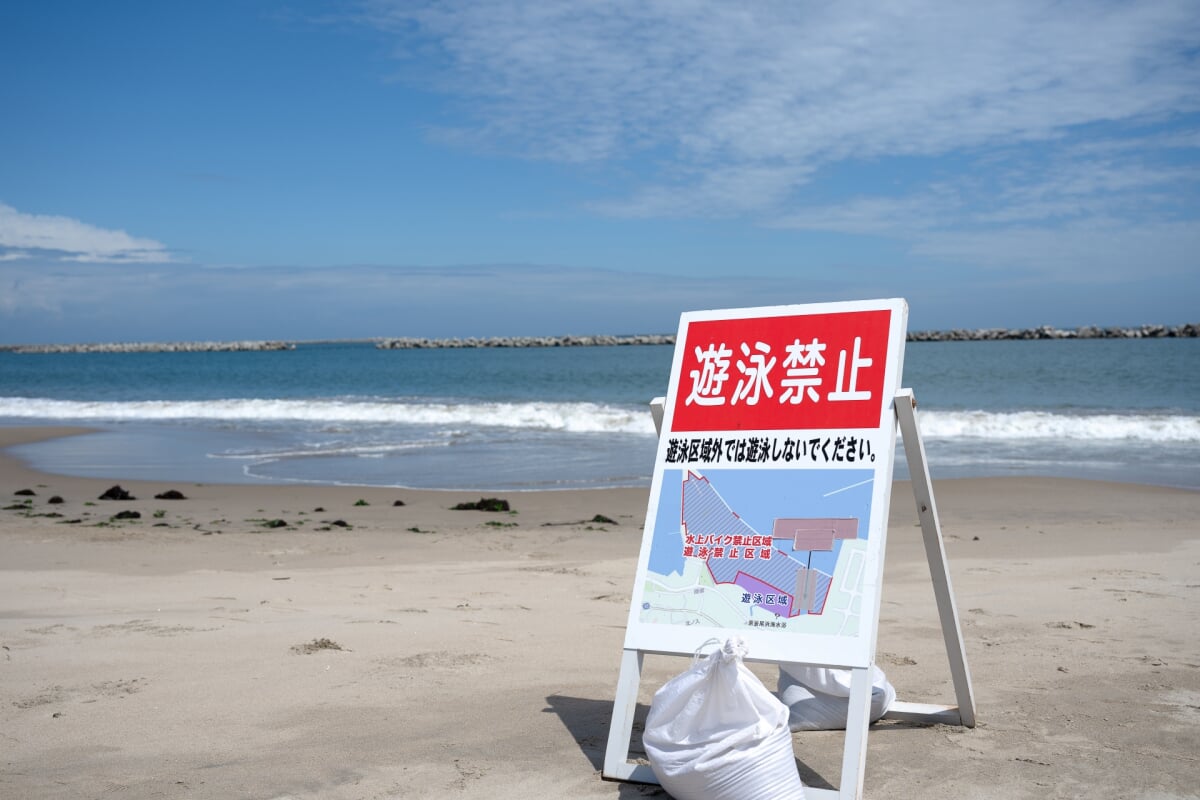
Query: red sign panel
x,y
803,372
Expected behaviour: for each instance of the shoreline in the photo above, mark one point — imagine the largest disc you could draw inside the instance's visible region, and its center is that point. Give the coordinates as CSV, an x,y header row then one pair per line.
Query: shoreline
x,y
369,506
376,506
185,455
424,652
193,465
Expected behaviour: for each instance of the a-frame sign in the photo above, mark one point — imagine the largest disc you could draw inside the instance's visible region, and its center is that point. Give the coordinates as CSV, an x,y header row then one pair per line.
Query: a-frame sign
x,y
769,505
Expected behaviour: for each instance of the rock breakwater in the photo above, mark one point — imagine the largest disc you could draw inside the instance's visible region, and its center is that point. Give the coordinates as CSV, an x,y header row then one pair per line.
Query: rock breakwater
x,y
1191,330
526,341
1188,331
150,347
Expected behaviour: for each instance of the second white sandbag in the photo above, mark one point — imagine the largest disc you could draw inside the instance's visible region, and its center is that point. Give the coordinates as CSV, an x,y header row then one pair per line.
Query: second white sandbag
x,y
819,697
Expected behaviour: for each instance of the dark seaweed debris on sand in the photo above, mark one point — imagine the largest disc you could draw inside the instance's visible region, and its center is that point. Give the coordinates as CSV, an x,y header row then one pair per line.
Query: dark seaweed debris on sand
x,y
599,519
484,504
316,645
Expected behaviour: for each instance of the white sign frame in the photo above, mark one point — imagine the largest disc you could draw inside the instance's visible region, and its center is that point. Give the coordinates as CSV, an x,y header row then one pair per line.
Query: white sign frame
x,y
778,639
901,411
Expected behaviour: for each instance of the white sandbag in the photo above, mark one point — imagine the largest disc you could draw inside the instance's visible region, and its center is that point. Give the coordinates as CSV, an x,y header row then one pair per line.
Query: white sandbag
x,y
819,697
715,732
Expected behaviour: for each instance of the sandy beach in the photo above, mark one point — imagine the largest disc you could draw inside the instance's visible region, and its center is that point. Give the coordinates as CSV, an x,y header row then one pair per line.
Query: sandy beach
x,y
325,642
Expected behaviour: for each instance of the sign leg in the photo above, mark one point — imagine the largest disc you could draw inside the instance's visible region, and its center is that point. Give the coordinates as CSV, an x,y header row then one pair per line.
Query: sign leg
x,y
935,552
620,731
858,719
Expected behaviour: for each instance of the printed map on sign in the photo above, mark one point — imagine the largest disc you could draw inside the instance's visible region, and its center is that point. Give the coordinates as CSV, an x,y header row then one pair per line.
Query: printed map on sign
x,y
731,551
772,480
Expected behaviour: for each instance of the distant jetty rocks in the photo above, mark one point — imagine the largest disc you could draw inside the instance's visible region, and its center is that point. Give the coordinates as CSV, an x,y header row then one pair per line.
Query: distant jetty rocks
x,y
1188,331
150,347
527,341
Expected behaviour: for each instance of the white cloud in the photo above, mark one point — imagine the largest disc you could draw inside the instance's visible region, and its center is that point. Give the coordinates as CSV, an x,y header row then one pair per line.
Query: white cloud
x,y
898,217
1111,188
774,91
1076,223
1088,253
66,239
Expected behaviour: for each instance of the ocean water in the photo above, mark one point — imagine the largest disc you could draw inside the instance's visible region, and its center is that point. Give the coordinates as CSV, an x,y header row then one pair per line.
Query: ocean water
x,y
552,418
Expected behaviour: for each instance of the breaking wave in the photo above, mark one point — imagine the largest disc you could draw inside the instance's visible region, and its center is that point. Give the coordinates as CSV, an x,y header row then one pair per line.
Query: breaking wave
x,y
568,417
1025,425
585,418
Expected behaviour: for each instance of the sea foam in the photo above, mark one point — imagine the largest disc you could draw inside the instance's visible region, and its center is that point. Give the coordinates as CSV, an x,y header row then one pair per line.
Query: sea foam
x,y
569,417
585,417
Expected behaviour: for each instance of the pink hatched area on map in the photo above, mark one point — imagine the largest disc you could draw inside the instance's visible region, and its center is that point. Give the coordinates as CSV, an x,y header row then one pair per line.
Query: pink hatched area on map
x,y
735,553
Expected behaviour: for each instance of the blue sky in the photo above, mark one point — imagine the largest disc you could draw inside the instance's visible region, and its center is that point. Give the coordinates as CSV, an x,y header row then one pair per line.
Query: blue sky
x,y
272,169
